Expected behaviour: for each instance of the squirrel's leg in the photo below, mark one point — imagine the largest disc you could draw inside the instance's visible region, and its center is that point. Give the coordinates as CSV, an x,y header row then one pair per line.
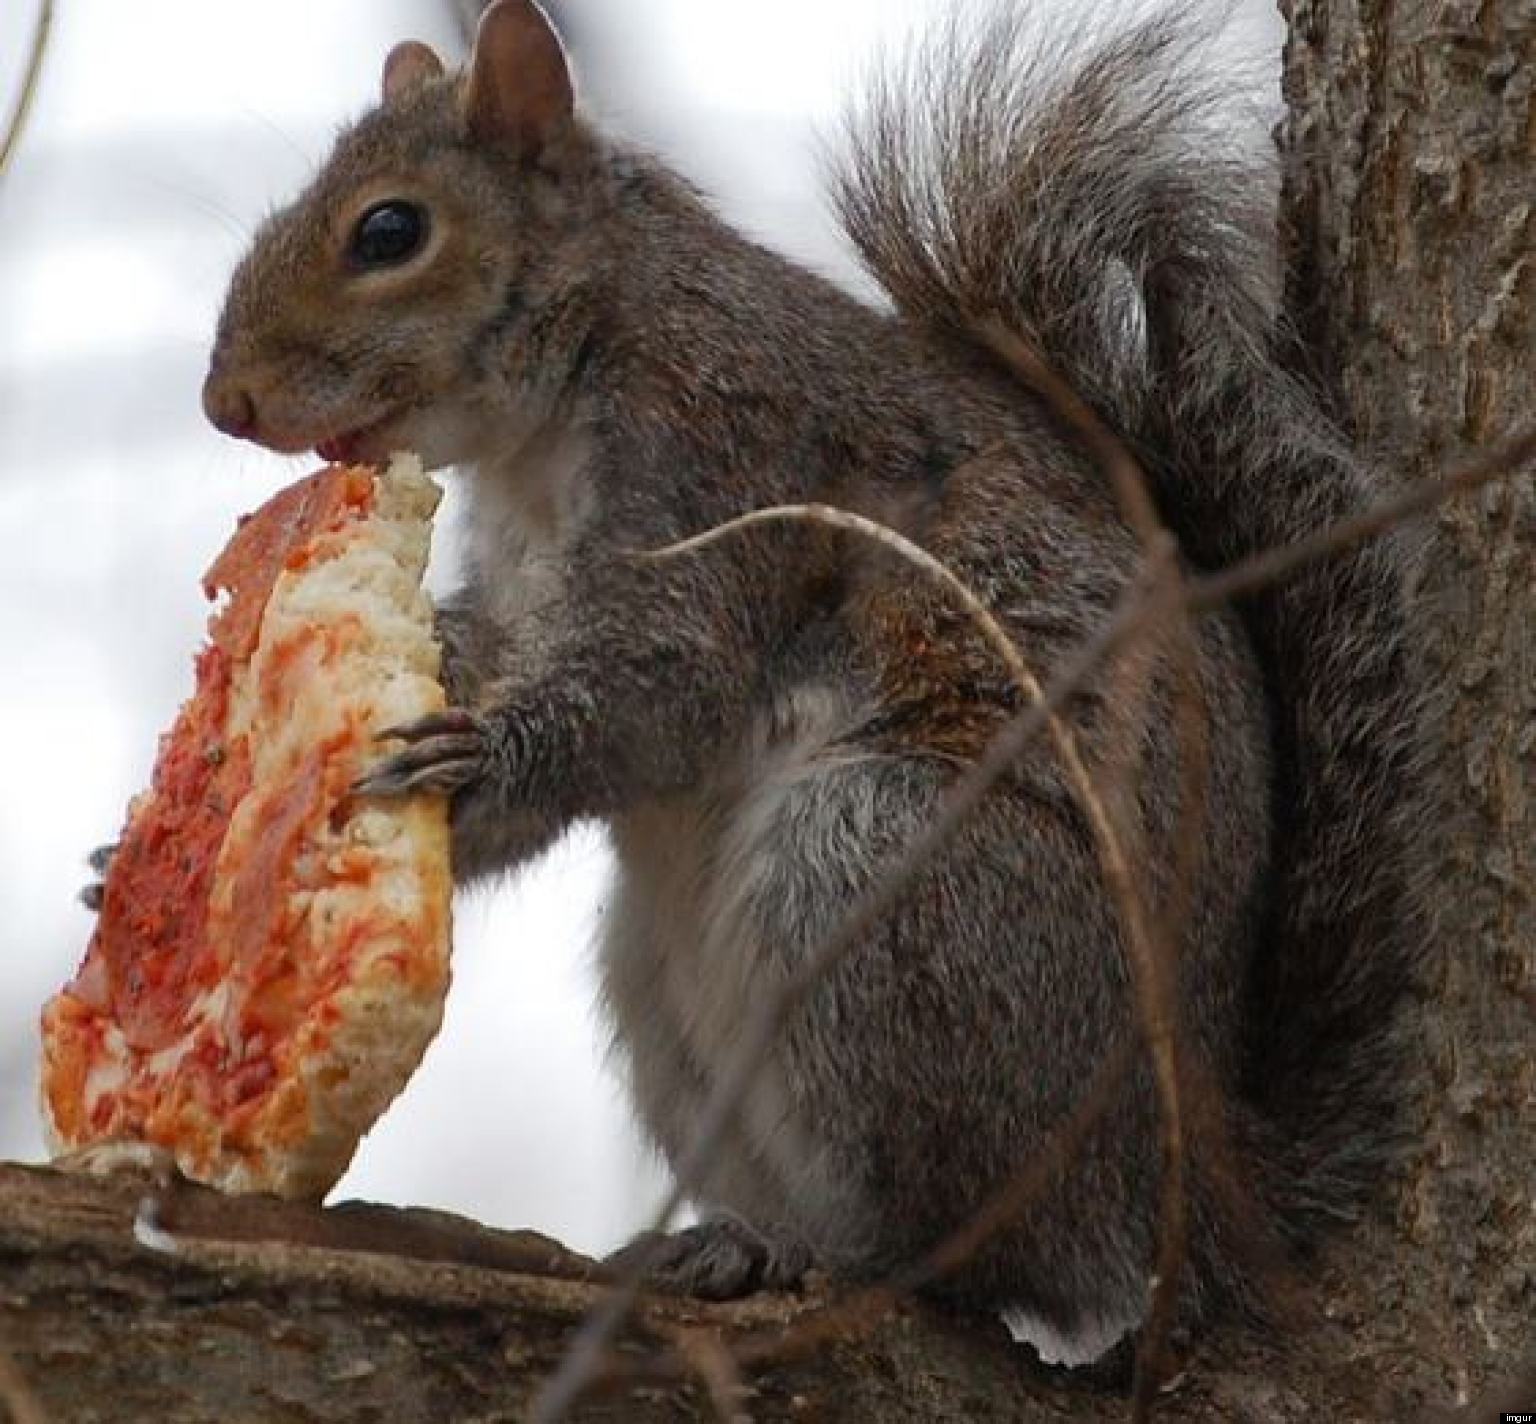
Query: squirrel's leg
x,y
614,709
931,1064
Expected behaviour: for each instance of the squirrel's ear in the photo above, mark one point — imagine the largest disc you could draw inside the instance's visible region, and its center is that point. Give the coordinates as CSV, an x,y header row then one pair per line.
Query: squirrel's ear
x,y
519,87
408,65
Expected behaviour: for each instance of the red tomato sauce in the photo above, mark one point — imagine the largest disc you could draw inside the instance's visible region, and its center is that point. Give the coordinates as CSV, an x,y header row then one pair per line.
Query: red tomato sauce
x,y
151,935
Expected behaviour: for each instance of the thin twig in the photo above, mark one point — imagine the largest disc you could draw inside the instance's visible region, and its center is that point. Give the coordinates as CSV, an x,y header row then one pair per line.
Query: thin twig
x,y
22,110
855,1313
16,1396
1154,961
1147,962
1505,1397
847,1319
1272,566
583,1361
1140,606
1110,453
994,632
717,1367
1151,956
1033,1177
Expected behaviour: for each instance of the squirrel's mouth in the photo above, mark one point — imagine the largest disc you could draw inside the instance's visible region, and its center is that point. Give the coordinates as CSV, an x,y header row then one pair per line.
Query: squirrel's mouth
x,y
350,447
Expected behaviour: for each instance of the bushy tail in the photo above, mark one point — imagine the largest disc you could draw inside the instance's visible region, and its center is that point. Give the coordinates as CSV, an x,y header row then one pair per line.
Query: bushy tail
x,y
1087,196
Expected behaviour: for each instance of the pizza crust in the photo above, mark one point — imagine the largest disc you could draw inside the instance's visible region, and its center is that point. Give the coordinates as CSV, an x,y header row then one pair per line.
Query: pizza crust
x,y
324,962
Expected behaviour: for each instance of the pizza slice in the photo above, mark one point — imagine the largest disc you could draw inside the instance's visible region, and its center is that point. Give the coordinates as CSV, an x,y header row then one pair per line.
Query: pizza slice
x,y
271,956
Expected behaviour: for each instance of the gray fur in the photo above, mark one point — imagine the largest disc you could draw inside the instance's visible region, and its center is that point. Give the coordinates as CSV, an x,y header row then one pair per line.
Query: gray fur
x,y
766,722
1014,183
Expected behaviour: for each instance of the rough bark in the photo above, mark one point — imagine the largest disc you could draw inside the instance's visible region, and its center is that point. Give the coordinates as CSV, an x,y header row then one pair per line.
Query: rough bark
x,y
270,1313
1411,189
266,1311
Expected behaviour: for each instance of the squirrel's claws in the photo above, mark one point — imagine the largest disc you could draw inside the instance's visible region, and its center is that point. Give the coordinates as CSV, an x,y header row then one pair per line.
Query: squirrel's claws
x,y
449,720
445,752
716,1260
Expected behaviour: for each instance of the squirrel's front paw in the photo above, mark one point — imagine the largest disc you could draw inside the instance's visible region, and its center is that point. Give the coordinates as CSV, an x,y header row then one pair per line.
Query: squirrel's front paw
x,y
445,752
718,1260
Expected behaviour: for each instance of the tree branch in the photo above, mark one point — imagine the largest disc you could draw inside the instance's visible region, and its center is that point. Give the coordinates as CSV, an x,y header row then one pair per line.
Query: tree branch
x,y
21,111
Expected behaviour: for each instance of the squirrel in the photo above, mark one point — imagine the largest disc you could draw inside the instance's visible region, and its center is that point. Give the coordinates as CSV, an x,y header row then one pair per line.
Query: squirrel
x,y
479,273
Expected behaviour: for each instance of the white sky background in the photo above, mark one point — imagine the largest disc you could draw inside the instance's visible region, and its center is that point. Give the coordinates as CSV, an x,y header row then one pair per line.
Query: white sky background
x,y
162,131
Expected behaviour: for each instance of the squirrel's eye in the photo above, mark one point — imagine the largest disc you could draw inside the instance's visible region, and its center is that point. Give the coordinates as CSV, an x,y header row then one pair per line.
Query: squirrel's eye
x,y
388,233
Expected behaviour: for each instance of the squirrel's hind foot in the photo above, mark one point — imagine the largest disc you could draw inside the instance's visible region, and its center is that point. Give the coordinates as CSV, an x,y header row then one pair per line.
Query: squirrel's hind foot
x,y
716,1260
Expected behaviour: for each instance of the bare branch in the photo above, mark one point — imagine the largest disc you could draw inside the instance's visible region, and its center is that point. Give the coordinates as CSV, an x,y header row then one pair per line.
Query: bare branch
x,y
1153,959
1140,607
716,1366
1108,451
582,1363
859,1311
16,1396
22,110
1149,946
1032,1177
1002,644
1273,566
1506,1397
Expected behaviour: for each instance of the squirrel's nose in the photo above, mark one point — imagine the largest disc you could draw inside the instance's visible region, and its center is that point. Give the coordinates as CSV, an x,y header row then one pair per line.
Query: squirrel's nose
x,y
229,406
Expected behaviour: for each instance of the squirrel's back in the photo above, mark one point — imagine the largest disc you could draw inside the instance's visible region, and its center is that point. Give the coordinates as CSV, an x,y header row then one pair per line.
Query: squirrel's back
x,y
1091,198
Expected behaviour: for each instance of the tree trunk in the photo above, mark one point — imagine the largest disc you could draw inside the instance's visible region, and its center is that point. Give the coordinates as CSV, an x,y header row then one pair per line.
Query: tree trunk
x,y
1411,184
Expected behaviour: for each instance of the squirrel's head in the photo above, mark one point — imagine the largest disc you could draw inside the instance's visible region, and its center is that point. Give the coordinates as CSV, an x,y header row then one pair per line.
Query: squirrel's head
x,y
373,313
